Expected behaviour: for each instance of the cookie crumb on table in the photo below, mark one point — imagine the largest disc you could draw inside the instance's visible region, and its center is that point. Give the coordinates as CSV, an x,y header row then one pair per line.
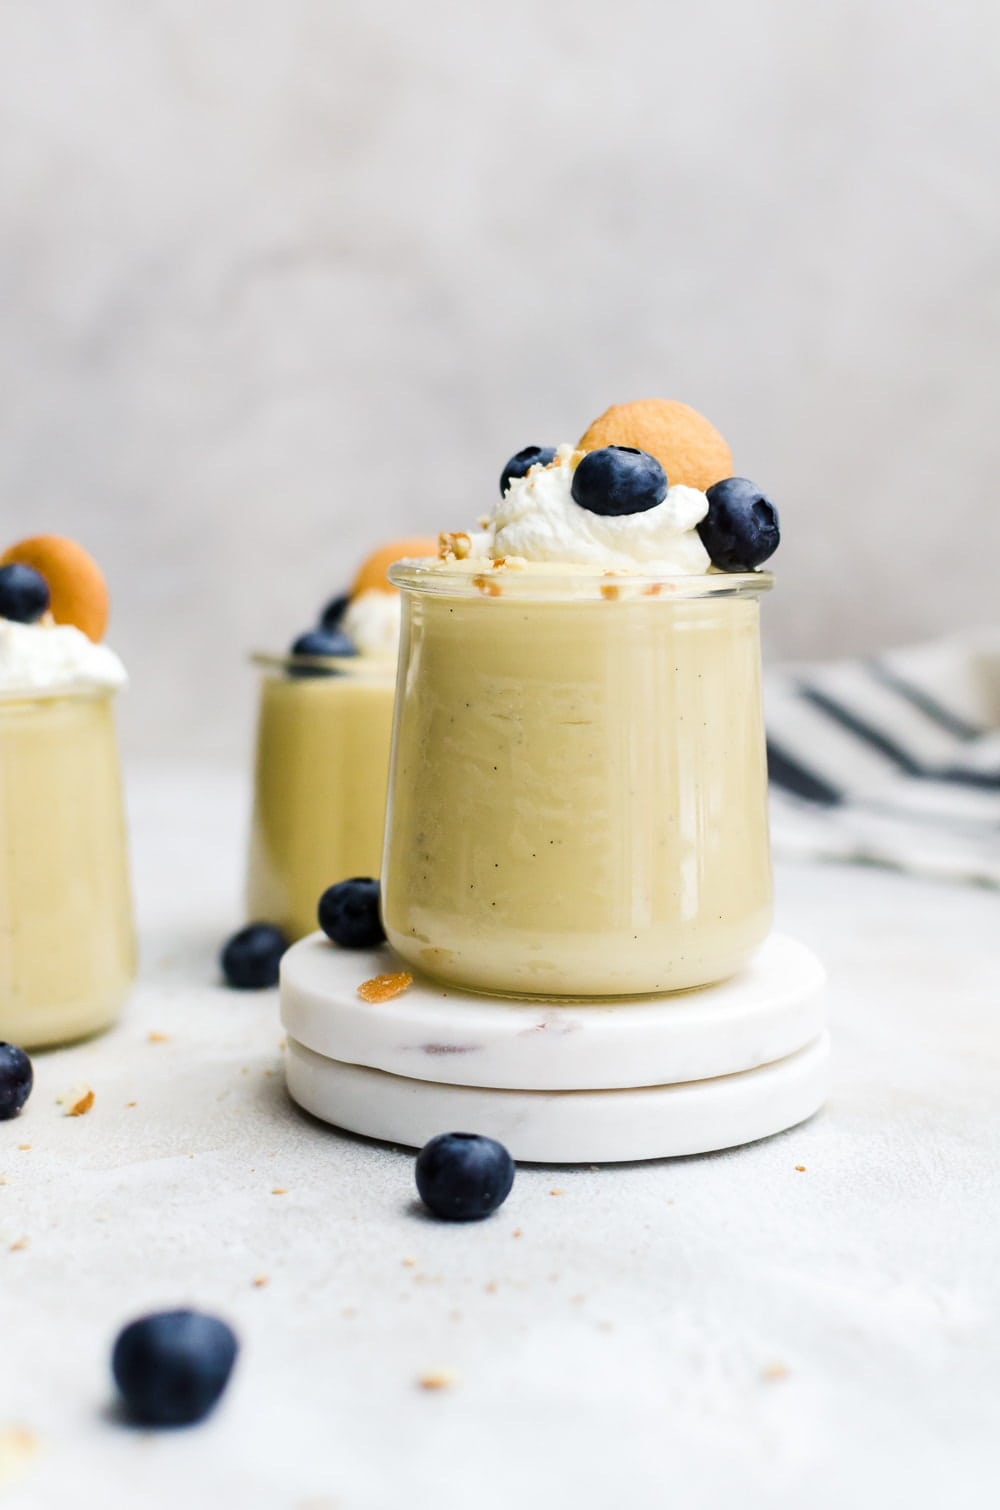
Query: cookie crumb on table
x,y
440,1378
280,1190
773,1372
18,1246
82,1105
155,1037
384,987
800,1168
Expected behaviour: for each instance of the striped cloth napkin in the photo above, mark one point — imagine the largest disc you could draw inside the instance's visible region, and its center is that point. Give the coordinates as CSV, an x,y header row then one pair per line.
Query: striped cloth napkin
x,y
893,761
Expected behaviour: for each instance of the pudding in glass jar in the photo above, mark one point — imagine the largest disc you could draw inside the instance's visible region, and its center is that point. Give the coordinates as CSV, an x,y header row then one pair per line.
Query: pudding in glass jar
x,y
577,800
68,947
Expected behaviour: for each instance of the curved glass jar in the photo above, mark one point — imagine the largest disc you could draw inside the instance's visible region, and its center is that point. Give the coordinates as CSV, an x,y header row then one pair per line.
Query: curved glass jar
x,y
67,940
578,788
320,774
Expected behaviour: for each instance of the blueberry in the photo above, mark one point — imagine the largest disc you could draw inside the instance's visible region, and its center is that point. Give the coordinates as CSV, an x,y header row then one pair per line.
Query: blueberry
x,y
172,1367
334,611
349,915
462,1177
619,480
16,1079
321,642
740,529
251,958
531,456
24,593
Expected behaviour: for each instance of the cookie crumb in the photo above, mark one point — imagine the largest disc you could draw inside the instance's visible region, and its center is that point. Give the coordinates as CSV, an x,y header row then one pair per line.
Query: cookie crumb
x,y
453,545
82,1105
557,1191
260,1280
130,1104
800,1169
486,587
18,1246
610,591
409,1263
516,1232
23,1147
280,1190
774,1372
18,1445
440,1378
384,987
491,1287
155,1037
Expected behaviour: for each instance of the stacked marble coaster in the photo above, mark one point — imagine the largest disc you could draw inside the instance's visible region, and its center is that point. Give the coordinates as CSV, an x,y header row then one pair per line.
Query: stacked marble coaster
x,y
558,1082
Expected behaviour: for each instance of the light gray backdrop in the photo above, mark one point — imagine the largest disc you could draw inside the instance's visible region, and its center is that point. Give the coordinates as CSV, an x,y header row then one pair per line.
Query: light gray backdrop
x,y
279,279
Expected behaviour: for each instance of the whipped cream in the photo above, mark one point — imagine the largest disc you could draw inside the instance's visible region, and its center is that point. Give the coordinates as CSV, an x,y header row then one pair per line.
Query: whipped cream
x,y
372,620
538,519
40,658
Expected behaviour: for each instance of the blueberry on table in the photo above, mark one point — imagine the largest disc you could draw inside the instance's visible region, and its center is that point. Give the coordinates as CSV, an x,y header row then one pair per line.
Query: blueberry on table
x,y
24,593
619,480
172,1367
251,958
16,1079
349,913
321,642
519,464
740,530
462,1177
334,611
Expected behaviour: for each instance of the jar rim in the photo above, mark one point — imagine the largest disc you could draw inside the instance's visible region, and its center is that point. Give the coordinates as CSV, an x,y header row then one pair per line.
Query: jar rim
x,y
533,582
369,668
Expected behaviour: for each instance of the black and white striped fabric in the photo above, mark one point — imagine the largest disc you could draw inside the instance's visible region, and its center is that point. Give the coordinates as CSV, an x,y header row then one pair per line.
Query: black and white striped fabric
x,y
893,761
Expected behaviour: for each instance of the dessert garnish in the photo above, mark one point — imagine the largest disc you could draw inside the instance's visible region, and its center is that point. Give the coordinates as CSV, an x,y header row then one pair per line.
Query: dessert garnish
x,y
463,1177
384,987
740,530
16,1079
372,574
689,449
325,643
251,959
349,913
172,1367
78,591
24,593
522,462
619,480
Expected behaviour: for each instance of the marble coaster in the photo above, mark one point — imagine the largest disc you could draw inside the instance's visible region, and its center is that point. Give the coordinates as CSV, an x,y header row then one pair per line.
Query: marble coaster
x,y
433,1033
568,1127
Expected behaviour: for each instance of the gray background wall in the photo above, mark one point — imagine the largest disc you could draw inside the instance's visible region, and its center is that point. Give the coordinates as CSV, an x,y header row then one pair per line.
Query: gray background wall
x,y
280,279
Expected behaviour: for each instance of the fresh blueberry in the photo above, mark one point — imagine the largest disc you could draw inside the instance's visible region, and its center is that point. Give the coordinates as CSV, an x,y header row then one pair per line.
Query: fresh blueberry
x,y
251,958
531,456
321,642
24,593
349,915
619,480
740,530
334,611
16,1079
462,1177
172,1367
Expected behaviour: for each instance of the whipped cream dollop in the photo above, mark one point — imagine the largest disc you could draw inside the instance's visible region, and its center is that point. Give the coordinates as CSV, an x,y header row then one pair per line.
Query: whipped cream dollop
x,y
40,658
538,519
372,620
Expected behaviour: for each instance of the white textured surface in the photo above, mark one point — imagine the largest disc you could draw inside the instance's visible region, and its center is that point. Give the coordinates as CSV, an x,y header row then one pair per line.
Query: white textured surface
x,y
626,1349
568,1127
430,1032
280,279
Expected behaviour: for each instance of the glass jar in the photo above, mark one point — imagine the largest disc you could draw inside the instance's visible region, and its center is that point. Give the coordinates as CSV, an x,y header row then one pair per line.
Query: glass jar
x,y
67,940
578,787
320,775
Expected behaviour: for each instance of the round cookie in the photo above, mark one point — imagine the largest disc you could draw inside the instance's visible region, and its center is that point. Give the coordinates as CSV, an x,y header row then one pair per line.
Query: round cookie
x,y
372,573
76,583
689,449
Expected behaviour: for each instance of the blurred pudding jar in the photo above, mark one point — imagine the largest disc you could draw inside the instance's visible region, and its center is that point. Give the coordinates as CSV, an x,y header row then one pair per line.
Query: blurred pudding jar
x,y
578,801
324,728
67,942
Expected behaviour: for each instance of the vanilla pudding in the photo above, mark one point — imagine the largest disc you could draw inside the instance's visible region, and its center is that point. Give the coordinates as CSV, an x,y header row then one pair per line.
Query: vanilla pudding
x,y
320,777
68,950
578,781
321,767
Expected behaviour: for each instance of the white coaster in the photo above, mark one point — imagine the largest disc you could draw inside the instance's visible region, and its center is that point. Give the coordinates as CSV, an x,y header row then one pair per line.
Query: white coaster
x,y
568,1127
433,1033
